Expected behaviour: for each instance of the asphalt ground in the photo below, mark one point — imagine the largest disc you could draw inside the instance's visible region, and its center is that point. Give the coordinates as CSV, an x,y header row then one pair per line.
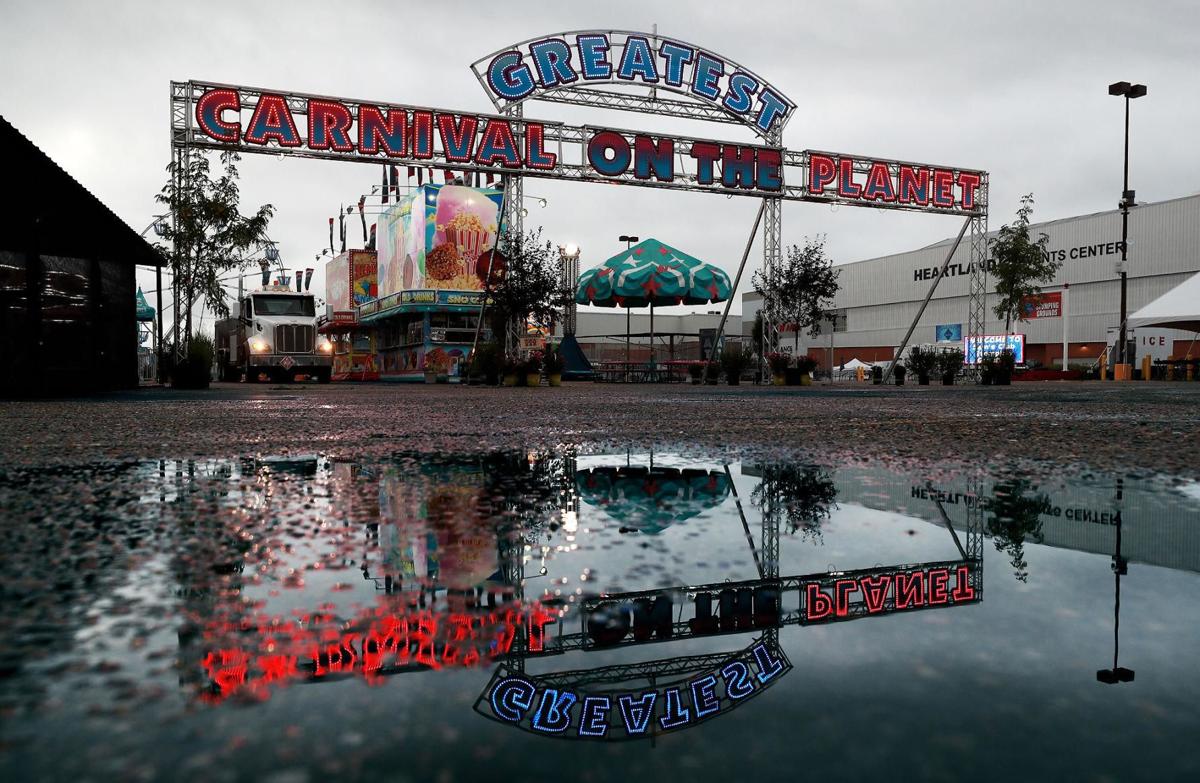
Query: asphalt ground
x,y
1134,426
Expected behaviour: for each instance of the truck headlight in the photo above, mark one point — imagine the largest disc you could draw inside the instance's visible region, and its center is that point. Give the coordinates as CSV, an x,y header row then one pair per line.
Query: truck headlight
x,y
326,347
259,345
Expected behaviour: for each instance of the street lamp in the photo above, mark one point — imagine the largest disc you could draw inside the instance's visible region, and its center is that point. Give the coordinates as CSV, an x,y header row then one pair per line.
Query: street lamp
x,y
628,240
1120,567
1129,92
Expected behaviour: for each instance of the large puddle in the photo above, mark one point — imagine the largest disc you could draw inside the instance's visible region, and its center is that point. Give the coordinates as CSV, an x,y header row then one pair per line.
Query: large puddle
x,y
595,614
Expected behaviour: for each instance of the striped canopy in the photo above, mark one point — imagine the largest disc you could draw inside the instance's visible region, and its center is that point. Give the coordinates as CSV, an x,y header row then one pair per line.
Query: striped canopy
x,y
652,272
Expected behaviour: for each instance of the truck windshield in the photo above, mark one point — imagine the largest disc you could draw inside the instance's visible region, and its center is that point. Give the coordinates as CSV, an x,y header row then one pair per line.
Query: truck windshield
x,y
284,305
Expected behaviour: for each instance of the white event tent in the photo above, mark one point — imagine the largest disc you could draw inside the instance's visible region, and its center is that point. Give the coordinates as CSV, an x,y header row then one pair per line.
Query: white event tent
x,y
1178,308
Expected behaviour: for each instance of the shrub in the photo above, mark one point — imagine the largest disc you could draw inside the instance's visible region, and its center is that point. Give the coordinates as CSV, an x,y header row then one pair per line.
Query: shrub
x,y
950,362
922,361
734,359
805,364
487,360
196,371
778,362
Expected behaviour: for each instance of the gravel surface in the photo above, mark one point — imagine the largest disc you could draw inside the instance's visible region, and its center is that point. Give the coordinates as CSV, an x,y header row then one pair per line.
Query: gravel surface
x,y
1138,426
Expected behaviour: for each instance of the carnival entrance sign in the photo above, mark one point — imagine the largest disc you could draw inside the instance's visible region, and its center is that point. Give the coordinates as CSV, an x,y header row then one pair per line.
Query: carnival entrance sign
x,y
644,73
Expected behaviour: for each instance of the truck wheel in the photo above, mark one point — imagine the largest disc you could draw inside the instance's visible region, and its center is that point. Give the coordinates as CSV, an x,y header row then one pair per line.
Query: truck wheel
x,y
251,374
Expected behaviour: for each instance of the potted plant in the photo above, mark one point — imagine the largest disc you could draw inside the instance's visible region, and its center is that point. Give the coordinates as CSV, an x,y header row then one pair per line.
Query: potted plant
x,y
900,372
487,363
533,369
436,363
778,362
949,363
734,359
554,368
195,372
1003,372
923,362
877,375
987,369
804,366
509,368
712,371
696,372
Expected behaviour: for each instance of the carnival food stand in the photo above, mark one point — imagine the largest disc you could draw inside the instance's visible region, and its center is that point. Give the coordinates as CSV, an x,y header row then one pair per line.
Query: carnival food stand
x,y
350,281
433,247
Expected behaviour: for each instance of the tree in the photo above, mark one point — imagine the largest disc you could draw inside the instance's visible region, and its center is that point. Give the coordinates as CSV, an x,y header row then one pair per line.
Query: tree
x,y
801,290
1019,264
1016,512
208,233
531,286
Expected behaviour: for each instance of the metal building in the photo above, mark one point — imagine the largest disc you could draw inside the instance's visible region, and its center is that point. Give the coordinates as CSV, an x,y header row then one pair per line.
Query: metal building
x,y
67,294
880,296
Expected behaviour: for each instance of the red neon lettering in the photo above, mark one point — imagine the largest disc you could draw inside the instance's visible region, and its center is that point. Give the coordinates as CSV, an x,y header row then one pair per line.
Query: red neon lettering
x,y
536,156
705,153
963,590
422,131
329,119
498,145
817,604
874,590
879,184
910,589
374,128
938,578
272,120
821,171
943,188
209,109
842,589
914,186
969,183
847,187
458,136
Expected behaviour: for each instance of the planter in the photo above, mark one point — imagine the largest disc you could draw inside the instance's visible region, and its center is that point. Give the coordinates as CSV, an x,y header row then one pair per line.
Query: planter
x,y
947,380
191,375
430,376
733,380
510,380
555,378
442,378
922,380
805,379
492,378
876,376
533,379
1003,380
778,379
792,376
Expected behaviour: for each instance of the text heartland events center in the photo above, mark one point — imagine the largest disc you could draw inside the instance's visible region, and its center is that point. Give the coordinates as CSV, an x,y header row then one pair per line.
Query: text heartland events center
x,y
880,296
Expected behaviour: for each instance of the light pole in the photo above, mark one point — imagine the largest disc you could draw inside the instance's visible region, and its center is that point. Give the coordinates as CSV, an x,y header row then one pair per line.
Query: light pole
x,y
1120,567
628,240
1129,92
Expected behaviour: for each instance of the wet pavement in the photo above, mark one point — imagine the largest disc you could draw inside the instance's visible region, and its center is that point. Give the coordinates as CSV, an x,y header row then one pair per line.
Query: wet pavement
x,y
516,592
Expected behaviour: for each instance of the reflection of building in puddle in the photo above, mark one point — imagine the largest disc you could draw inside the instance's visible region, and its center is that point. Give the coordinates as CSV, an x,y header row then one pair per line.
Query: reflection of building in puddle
x,y
1160,523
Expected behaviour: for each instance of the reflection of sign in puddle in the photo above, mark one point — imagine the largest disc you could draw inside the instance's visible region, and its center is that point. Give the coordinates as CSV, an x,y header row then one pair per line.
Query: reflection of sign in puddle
x,y
578,705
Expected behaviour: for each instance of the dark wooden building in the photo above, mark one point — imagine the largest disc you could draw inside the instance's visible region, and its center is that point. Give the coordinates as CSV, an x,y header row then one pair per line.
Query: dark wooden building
x,y
67,290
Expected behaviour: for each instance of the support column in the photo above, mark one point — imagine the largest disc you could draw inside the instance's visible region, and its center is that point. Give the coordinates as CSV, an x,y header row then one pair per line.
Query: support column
x,y
977,289
514,218
772,255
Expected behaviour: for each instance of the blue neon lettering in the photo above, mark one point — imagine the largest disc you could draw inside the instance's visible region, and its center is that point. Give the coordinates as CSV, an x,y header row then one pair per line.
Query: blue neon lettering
x,y
676,56
593,717
676,714
593,53
737,680
637,714
773,108
769,666
704,79
510,694
704,696
637,60
554,711
742,87
553,61
509,77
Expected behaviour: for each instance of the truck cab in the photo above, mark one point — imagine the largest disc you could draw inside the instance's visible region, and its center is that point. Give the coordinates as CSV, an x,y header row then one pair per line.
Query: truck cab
x,y
273,332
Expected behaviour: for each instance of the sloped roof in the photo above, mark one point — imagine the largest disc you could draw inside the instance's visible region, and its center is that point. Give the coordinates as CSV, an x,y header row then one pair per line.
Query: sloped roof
x,y
43,207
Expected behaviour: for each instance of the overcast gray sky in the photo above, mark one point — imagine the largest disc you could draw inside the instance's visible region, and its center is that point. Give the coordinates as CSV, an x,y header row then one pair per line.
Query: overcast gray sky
x,y
1016,88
